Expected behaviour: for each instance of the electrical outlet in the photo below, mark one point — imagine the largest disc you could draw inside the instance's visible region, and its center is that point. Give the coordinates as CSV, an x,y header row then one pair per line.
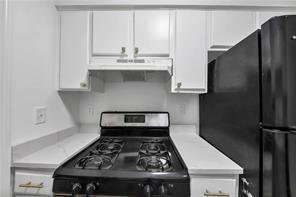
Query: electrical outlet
x,y
91,110
182,108
40,115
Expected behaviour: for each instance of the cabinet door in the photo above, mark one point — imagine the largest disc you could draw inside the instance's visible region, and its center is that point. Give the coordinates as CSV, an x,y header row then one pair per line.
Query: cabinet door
x,y
112,31
190,54
33,183
74,50
227,28
264,16
201,186
152,33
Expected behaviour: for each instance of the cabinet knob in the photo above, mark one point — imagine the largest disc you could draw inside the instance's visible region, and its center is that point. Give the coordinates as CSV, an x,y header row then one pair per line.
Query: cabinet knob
x,y
179,84
123,51
136,51
83,84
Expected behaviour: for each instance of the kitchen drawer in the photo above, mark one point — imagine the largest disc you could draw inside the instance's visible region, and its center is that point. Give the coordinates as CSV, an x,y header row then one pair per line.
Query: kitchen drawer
x,y
33,183
212,187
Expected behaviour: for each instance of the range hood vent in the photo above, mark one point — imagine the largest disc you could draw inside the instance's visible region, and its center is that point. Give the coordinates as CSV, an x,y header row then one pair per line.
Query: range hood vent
x,y
133,75
137,64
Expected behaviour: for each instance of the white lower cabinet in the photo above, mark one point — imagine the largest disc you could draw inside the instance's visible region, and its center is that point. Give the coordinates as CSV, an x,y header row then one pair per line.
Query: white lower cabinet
x,y
212,186
33,183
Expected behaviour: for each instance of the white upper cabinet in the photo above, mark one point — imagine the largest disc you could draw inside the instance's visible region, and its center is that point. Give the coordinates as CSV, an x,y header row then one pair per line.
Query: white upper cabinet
x,y
143,33
190,54
152,33
227,28
74,50
264,16
112,31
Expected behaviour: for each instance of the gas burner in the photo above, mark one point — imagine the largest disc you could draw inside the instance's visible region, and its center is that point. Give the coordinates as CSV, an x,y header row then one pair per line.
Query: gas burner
x,y
154,148
111,140
109,148
154,164
102,156
94,162
155,140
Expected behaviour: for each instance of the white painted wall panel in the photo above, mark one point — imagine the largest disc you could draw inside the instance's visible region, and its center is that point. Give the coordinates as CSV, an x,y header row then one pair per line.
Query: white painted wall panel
x,y
5,149
34,62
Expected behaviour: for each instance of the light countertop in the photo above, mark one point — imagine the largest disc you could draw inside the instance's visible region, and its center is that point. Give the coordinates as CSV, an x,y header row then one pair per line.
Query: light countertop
x,y
199,156
52,156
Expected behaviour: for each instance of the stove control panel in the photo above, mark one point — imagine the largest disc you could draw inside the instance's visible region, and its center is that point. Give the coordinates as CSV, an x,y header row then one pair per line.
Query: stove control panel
x,y
66,187
134,119
161,190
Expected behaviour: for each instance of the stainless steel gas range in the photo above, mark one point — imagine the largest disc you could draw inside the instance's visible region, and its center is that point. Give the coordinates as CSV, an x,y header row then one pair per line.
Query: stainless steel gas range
x,y
134,156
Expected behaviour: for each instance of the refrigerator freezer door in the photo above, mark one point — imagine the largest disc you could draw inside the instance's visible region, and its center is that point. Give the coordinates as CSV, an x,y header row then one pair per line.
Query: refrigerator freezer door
x,y
279,72
279,163
230,112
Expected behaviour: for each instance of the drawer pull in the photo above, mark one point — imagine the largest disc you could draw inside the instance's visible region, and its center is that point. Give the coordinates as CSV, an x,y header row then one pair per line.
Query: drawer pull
x,y
207,193
30,185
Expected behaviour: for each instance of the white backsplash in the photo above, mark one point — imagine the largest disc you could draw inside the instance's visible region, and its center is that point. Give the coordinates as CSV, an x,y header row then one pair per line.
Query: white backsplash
x,y
139,96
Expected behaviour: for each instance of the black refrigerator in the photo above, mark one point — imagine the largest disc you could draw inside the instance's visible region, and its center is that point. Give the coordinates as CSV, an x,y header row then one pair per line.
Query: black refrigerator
x,y
249,112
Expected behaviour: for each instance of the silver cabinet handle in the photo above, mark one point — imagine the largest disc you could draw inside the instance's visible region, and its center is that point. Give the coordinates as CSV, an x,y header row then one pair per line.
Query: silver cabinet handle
x,y
30,185
220,193
83,84
179,84
136,51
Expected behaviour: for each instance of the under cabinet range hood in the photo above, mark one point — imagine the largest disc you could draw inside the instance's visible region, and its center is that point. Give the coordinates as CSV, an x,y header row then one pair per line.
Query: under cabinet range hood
x,y
137,64
131,40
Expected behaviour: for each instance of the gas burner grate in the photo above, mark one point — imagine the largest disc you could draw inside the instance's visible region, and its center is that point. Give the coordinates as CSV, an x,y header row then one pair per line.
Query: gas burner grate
x,y
111,140
154,156
94,162
154,148
102,156
108,148
154,164
153,140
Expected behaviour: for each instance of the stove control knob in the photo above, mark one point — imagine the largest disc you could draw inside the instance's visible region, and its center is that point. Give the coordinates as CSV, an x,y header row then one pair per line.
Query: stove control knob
x,y
76,188
162,191
90,189
147,191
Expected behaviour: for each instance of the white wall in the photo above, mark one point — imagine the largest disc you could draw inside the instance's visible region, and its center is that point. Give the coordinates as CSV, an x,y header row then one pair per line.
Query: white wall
x,y
5,150
139,96
34,59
